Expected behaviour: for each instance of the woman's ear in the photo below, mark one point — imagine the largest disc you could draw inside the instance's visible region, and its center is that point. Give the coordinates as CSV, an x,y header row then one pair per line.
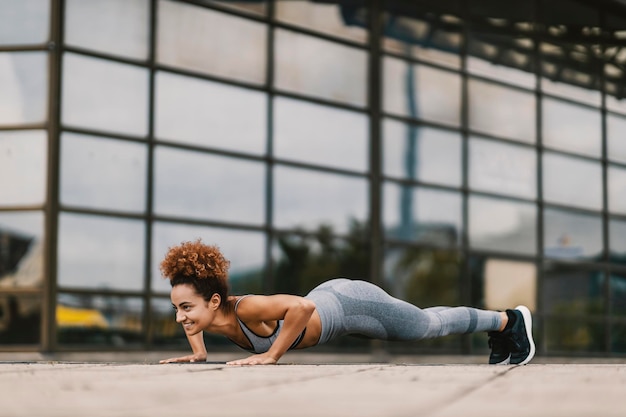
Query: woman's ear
x,y
215,301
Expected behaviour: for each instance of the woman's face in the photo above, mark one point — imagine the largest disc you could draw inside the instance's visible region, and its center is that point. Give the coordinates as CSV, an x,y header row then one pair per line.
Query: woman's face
x,y
192,311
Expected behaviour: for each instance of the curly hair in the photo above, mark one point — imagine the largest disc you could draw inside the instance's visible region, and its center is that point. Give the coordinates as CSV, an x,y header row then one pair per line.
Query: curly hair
x,y
200,265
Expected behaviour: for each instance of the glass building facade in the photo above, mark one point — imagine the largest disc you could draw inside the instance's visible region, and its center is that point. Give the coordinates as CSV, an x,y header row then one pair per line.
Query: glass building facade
x,y
454,152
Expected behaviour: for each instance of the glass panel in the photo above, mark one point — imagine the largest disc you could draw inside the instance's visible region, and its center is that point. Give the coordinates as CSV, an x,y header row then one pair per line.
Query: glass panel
x,y
23,167
618,337
422,214
490,111
332,19
24,86
616,131
572,181
101,173
100,252
104,95
319,68
255,6
211,42
617,189
87,319
502,168
24,22
617,240
572,128
572,290
310,199
502,226
582,95
570,235
20,319
421,153
421,92
322,135
205,113
245,250
118,27
206,186
618,293
574,336
21,249
616,104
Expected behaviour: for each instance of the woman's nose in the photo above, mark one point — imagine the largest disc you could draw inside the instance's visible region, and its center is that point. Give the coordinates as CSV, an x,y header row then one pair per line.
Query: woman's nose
x,y
180,317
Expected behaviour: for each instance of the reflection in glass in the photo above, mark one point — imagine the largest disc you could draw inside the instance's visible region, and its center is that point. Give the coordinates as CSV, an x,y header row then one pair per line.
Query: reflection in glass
x,y
204,186
572,128
489,57
617,189
572,181
23,167
617,240
616,131
583,95
103,173
574,335
24,22
326,18
255,6
20,318
322,135
308,199
421,92
569,235
618,293
24,87
502,226
21,249
205,113
422,214
501,283
490,111
572,290
188,38
244,249
421,153
87,319
118,27
502,168
319,68
104,95
100,252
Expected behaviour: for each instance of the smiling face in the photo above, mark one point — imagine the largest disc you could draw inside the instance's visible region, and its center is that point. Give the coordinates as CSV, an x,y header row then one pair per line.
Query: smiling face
x,y
193,311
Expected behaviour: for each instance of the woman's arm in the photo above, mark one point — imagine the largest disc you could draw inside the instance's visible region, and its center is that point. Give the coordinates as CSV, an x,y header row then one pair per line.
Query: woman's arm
x,y
295,311
197,347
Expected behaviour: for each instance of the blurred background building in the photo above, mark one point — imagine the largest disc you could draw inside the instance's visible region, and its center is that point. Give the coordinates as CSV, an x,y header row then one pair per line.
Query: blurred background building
x,y
453,151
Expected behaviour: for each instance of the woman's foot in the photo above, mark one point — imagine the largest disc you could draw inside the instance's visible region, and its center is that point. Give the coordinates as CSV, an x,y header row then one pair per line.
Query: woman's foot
x,y
514,345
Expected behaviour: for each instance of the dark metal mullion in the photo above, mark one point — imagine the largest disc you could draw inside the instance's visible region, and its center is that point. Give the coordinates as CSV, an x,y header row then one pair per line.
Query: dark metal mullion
x,y
269,284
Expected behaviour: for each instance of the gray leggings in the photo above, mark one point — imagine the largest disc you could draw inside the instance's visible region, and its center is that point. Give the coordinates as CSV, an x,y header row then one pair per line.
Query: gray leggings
x,y
361,308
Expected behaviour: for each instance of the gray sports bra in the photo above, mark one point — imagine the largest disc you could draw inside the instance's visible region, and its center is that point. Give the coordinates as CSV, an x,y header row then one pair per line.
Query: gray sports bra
x,y
261,344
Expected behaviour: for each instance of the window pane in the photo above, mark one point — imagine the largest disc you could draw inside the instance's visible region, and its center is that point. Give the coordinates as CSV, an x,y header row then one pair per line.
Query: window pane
x,y
570,235
23,167
102,173
421,153
503,58
20,318
502,226
422,214
618,293
104,95
617,239
211,42
24,87
320,135
205,113
572,290
572,128
572,181
24,22
118,27
617,189
325,18
505,283
421,92
21,249
100,252
583,95
616,131
490,111
574,335
319,68
87,319
256,6
310,199
503,168
245,250
208,187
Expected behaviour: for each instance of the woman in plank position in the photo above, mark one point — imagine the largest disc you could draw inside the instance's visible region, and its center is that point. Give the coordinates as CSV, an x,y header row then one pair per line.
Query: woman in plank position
x,y
269,325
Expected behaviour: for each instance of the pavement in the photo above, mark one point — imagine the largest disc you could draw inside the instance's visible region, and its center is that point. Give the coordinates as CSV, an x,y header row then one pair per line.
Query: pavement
x,y
320,385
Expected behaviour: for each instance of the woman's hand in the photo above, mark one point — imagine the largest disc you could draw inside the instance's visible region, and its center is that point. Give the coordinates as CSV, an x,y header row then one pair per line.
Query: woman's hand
x,y
261,359
198,357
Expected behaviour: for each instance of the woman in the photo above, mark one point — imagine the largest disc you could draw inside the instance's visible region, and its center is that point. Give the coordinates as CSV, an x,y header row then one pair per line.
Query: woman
x,y
268,326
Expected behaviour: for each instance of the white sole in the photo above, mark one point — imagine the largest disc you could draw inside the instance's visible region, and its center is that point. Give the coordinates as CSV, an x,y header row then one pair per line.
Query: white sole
x,y
528,324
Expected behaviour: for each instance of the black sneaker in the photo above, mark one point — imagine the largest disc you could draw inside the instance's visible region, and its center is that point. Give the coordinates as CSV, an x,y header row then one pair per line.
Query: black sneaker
x,y
520,336
500,352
